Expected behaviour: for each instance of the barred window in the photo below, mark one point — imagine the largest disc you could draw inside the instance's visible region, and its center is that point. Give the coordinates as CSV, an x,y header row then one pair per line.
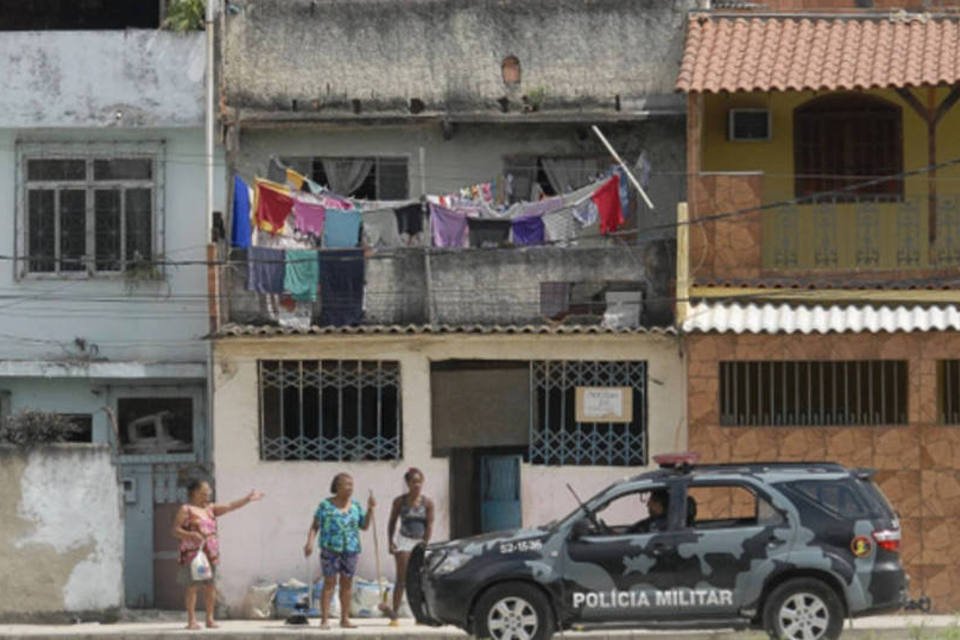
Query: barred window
x,y
331,410
556,435
813,393
89,210
948,391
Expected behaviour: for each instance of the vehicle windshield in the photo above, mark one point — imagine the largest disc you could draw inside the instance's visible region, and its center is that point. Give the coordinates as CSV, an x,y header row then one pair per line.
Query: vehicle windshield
x,y
578,512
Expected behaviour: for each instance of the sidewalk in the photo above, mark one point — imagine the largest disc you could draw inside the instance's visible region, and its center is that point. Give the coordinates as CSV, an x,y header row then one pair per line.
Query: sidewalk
x,y
877,628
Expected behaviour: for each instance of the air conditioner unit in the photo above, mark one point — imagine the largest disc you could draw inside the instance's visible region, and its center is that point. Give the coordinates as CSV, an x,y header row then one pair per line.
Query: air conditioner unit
x,y
748,124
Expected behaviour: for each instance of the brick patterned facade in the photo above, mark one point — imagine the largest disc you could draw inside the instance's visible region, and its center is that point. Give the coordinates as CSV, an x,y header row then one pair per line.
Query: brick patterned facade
x,y
918,465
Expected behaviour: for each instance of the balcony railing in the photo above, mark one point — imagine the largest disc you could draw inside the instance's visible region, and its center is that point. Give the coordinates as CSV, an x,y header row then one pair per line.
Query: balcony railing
x,y
862,235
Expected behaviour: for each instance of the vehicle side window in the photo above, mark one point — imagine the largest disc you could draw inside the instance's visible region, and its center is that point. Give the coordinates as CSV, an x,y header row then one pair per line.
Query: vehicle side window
x,y
635,512
841,497
722,506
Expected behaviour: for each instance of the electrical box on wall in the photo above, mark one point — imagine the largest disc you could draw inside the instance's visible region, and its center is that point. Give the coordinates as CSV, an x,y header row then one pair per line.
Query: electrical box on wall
x,y
748,124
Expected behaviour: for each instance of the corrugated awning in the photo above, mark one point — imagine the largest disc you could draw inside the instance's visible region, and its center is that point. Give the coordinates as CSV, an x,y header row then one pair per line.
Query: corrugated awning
x,y
790,53
732,317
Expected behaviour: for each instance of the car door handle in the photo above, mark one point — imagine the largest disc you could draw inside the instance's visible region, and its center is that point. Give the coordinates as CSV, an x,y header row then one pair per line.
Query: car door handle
x,y
774,542
659,548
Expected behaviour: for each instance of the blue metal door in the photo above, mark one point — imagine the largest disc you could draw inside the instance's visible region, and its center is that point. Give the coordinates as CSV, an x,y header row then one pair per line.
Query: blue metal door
x,y
500,493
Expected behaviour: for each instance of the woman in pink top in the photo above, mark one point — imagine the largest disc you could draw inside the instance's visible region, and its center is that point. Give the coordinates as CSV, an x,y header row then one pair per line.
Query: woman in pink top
x,y
196,527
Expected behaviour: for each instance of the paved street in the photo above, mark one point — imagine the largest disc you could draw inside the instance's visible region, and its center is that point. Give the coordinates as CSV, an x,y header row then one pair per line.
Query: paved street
x,y
877,628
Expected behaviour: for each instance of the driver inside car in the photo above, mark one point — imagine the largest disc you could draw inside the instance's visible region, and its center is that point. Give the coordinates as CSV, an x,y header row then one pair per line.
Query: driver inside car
x,y
656,519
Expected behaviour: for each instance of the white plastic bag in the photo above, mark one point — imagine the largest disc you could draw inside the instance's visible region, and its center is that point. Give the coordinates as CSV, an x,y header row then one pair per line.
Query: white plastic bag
x,y
200,567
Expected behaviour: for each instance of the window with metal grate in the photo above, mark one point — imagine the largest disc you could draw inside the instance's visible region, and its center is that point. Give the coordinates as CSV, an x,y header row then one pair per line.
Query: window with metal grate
x,y
331,410
813,393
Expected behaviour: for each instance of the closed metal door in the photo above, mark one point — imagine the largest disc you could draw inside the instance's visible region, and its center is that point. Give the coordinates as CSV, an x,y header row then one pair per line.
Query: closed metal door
x,y
500,493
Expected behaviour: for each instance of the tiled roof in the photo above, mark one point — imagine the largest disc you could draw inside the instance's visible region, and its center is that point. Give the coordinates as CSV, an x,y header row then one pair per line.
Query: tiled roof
x,y
706,317
237,330
939,281
789,53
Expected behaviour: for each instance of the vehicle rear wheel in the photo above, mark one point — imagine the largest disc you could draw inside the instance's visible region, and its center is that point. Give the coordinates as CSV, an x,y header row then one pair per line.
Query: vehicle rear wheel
x,y
803,609
513,611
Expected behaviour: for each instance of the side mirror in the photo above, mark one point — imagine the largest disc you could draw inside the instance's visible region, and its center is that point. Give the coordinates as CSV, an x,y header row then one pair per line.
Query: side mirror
x,y
580,528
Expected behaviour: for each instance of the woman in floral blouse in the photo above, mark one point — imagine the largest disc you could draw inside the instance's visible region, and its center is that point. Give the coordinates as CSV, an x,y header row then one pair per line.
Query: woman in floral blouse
x,y
336,526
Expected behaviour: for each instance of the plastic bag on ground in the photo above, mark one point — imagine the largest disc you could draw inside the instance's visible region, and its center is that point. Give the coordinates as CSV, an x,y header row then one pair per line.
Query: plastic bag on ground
x,y
258,603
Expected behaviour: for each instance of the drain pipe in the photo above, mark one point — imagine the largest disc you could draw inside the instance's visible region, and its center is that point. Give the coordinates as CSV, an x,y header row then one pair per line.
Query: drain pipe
x,y
212,268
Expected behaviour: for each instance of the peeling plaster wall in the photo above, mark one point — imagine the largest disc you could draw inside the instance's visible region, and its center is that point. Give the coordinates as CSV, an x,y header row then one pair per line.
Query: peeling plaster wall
x,y
61,531
84,78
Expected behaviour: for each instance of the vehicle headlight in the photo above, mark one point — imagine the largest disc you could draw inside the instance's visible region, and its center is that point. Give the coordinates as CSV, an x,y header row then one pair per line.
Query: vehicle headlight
x,y
450,562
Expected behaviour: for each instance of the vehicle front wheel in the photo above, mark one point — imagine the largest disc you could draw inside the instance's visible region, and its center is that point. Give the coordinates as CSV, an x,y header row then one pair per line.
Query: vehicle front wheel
x,y
803,609
513,611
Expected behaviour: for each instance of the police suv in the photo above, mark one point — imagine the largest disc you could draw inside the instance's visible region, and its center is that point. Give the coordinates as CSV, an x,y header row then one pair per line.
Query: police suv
x,y
793,548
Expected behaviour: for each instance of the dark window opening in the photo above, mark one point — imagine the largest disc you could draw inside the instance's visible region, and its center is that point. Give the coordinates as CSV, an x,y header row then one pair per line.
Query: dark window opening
x,y
84,424
813,393
49,15
386,178
530,177
329,410
948,391
155,425
845,140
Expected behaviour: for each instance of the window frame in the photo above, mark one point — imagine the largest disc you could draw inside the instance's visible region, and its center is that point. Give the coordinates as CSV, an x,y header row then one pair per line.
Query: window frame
x,y
26,151
948,392
845,108
352,374
587,444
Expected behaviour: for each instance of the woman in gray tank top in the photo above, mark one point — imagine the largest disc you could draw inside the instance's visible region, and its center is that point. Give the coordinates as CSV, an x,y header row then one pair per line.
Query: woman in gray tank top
x,y
414,512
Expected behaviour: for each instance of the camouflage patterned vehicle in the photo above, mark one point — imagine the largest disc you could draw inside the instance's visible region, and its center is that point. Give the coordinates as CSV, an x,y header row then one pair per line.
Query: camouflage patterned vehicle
x,y
790,548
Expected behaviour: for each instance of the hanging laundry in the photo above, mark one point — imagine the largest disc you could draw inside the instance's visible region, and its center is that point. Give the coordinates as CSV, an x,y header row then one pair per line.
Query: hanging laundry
x,y
488,233
274,204
332,201
410,219
607,199
295,179
240,231
560,227
449,227
624,189
308,215
265,270
540,207
528,231
301,274
380,228
341,287
586,212
341,229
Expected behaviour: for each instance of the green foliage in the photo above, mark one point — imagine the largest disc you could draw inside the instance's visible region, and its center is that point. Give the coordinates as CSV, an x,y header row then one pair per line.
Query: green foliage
x,y
31,428
184,15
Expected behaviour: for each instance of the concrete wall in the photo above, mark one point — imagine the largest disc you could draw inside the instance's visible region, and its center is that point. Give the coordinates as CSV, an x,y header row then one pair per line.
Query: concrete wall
x,y
917,464
266,540
448,53
156,321
61,531
151,78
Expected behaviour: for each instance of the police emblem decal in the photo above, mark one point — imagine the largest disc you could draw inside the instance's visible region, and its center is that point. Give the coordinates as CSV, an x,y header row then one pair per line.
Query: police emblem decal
x,y
861,546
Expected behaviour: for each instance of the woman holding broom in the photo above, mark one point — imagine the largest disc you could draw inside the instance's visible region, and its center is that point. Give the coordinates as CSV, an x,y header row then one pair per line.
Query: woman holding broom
x,y
336,525
414,512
